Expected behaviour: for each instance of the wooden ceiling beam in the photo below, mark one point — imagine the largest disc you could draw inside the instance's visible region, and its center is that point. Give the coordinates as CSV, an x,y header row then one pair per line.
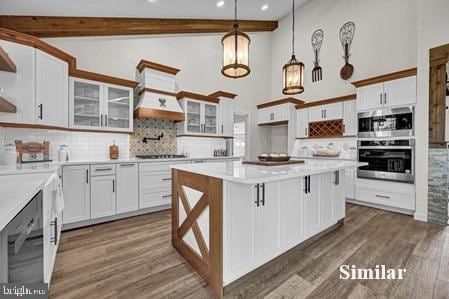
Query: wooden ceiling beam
x,y
49,26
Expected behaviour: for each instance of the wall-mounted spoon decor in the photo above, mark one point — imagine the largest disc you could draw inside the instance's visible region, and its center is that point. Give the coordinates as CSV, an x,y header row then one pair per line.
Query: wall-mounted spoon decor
x,y
346,37
317,41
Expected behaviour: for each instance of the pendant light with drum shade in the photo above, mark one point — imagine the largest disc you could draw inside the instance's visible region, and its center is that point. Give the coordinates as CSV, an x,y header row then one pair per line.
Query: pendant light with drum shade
x,y
293,71
235,51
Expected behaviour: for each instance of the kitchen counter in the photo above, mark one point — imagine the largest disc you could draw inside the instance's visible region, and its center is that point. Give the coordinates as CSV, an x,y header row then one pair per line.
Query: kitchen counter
x,y
16,191
254,174
325,158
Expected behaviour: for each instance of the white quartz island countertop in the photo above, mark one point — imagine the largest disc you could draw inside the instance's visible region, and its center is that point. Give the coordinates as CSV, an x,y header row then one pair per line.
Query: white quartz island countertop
x,y
254,174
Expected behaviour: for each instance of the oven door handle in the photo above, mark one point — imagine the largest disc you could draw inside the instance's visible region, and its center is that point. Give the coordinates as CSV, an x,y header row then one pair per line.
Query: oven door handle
x,y
385,147
24,235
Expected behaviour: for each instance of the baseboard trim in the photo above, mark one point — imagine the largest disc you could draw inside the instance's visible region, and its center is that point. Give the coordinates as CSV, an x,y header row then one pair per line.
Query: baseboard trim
x,y
382,207
421,217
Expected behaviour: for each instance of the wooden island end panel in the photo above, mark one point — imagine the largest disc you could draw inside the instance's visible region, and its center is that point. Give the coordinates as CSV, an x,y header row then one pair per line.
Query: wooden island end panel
x,y
197,224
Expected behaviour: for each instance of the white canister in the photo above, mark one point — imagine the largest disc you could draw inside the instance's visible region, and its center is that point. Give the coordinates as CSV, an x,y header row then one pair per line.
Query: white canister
x,y
64,153
9,156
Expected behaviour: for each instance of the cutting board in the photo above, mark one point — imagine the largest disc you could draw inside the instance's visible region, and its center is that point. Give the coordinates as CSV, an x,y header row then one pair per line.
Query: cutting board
x,y
270,163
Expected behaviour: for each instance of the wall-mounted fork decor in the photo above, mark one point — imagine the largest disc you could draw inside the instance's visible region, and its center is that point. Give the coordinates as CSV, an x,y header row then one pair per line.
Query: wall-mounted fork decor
x,y
317,41
346,36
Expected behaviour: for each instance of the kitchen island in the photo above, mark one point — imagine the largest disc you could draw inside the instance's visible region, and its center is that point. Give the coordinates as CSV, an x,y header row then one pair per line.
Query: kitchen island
x,y
229,218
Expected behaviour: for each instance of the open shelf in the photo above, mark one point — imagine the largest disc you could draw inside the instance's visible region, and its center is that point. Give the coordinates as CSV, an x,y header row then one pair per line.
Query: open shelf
x,y
6,63
7,106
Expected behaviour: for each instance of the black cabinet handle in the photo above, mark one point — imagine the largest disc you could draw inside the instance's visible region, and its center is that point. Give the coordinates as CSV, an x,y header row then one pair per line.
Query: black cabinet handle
x,y
263,194
221,129
54,240
87,176
101,120
41,111
308,184
126,165
337,177
257,202
305,185
167,179
113,185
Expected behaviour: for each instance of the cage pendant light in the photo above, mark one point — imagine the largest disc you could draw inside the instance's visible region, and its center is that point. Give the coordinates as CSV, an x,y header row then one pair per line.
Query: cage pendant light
x,y
235,51
293,71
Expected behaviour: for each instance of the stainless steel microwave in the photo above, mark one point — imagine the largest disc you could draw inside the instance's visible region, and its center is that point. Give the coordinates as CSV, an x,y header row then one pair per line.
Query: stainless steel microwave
x,y
387,122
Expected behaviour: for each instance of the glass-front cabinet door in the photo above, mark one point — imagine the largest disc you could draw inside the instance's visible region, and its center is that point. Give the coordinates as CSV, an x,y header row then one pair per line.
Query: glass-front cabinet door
x,y
118,107
85,104
210,119
193,117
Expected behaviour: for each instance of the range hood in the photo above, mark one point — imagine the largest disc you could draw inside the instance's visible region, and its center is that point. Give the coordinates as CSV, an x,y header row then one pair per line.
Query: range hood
x,y
157,96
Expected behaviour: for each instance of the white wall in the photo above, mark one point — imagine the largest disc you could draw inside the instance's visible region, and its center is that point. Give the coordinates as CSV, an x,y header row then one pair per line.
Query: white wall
x,y
384,41
198,57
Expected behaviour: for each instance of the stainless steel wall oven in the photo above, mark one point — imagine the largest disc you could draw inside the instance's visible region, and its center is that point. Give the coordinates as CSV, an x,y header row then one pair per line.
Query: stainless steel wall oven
x,y
387,122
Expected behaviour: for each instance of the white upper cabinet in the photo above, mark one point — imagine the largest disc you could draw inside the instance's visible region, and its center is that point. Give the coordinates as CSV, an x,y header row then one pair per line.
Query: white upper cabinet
x,y
302,123
273,114
226,108
52,80
100,106
350,118
393,93
326,112
201,118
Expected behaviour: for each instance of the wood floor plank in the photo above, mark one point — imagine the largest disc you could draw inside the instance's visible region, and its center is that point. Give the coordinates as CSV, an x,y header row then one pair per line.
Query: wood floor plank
x,y
295,287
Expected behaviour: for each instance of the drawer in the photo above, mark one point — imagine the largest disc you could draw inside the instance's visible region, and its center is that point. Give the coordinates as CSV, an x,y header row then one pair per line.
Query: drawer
x,y
154,167
23,218
155,180
102,169
154,197
387,198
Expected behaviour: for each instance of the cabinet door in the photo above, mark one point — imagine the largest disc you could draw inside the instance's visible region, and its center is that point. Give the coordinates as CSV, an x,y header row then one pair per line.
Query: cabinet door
x,y
210,119
350,182
333,111
302,123
269,224
400,92
240,230
193,117
291,198
118,108
312,217
52,95
338,195
370,97
265,115
316,114
326,200
350,118
127,187
227,117
19,87
76,186
86,109
103,202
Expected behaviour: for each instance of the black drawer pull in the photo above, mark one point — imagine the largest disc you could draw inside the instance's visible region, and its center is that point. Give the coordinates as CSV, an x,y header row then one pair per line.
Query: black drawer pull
x,y
103,169
382,196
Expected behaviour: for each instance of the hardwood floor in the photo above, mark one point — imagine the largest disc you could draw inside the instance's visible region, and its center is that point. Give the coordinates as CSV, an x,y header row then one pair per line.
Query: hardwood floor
x,y
133,258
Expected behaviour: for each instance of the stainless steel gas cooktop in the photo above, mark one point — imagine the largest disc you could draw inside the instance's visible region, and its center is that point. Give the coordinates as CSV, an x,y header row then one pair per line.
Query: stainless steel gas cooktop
x,y
159,156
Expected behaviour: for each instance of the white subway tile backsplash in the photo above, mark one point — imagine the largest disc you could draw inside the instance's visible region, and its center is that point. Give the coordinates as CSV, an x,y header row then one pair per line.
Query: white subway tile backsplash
x,y
197,147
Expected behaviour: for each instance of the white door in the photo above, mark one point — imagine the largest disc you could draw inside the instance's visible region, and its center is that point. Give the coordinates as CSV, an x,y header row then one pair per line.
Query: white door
x,y
291,198
333,111
400,92
210,119
312,217
86,104
326,200
349,182
240,216
370,97
76,186
269,224
316,114
118,108
227,117
52,95
103,201
350,118
127,187
302,123
338,195
19,87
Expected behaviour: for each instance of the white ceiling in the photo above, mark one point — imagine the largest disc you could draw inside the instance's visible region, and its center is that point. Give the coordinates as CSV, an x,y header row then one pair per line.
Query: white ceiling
x,y
198,9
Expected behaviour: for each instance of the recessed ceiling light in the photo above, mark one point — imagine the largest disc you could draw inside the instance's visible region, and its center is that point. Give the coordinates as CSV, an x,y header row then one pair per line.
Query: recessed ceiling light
x,y
220,3
152,1
264,7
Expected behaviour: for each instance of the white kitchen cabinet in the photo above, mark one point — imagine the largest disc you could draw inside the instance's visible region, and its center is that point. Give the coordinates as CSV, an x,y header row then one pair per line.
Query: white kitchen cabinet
x,y
201,118
349,182
291,194
326,199
76,182
350,118
19,87
226,109
326,112
312,214
393,93
52,79
273,114
103,196
302,123
127,187
99,106
338,196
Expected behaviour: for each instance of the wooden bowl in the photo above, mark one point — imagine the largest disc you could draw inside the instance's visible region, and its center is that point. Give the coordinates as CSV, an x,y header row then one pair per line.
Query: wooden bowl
x,y
273,159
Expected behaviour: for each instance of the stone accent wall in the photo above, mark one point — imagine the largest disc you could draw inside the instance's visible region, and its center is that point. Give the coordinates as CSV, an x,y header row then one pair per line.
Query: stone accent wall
x,y
152,128
438,186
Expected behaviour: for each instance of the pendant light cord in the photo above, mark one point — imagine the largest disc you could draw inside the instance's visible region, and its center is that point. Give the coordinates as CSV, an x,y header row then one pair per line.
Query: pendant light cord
x,y
293,28
235,12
